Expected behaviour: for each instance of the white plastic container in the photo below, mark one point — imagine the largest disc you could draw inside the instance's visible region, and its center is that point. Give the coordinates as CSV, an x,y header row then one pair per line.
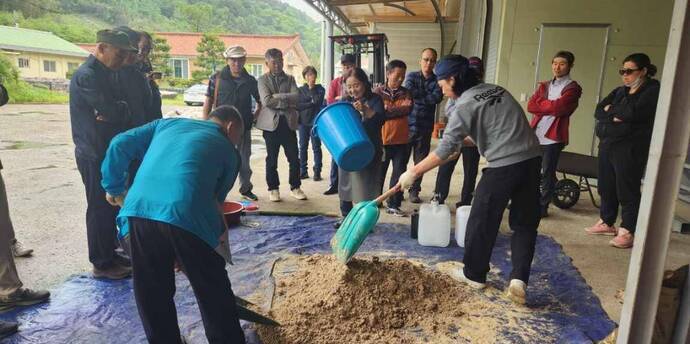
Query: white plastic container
x,y
462,214
434,225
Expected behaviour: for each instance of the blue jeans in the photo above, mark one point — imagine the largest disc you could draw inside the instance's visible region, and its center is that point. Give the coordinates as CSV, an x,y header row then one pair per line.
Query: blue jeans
x,y
304,135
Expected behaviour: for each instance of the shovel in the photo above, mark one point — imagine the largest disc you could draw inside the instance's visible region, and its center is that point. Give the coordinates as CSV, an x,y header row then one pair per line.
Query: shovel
x,y
356,226
247,314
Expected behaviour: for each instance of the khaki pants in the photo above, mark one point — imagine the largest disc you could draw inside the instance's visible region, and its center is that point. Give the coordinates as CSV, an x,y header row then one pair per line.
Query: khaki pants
x,y
9,280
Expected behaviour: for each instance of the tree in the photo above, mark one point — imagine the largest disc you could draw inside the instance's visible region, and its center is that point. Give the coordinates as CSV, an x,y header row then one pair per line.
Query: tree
x,y
160,55
210,57
197,15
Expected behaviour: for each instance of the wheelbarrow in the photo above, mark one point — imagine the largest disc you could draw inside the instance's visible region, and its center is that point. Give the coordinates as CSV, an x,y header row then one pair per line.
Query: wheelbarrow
x,y
567,191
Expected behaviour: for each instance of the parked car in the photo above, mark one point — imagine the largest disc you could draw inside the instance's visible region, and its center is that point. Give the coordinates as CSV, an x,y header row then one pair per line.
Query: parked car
x,y
195,95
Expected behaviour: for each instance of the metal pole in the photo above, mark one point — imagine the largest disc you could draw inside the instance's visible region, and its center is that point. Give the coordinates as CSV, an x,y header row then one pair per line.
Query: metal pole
x,y
662,179
329,53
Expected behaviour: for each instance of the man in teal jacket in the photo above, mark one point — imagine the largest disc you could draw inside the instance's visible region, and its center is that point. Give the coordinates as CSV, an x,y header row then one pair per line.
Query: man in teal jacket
x,y
172,212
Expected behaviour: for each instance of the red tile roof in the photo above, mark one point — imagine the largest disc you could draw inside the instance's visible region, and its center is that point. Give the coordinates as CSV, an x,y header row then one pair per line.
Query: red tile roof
x,y
90,47
184,43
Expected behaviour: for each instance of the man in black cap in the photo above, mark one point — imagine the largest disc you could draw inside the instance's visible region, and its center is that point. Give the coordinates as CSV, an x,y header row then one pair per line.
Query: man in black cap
x,y
97,115
336,91
495,121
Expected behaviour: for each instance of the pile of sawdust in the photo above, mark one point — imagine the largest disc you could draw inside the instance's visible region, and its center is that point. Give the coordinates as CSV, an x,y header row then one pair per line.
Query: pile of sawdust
x,y
374,301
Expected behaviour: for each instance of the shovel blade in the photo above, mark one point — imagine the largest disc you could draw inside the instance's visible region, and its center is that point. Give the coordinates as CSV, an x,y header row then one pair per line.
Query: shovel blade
x,y
247,314
354,230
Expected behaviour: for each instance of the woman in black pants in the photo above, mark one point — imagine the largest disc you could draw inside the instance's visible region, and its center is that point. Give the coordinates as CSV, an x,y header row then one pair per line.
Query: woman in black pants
x,y
470,157
625,119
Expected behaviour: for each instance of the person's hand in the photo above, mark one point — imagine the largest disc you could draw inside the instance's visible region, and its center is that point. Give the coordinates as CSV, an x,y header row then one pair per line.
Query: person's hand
x,y
364,109
407,179
617,120
453,156
115,201
467,142
607,107
338,98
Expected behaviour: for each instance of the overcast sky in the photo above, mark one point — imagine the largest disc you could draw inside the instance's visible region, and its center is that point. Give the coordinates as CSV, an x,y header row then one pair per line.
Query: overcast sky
x,y
304,7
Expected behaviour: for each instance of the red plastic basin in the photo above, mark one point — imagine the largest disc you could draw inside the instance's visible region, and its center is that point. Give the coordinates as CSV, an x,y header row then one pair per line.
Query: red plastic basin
x,y
232,212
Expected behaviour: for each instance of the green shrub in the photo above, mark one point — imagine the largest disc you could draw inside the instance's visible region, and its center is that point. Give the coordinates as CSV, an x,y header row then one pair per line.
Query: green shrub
x,y
180,82
21,92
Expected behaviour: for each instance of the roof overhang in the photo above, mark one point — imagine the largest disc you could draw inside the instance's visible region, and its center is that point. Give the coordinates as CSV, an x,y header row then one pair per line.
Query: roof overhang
x,y
43,51
357,15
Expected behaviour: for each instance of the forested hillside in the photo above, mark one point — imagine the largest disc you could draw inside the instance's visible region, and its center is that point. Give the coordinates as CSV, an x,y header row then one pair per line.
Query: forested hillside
x,y
78,20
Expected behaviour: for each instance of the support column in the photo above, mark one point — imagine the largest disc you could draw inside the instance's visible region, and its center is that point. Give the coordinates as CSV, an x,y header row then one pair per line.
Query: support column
x,y
328,56
662,179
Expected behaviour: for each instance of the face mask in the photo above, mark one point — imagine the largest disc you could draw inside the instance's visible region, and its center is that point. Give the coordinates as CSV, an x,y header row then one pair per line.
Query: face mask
x,y
634,83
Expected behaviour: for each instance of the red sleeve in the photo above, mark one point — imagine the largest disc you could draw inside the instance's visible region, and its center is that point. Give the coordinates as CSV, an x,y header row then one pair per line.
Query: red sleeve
x,y
561,107
532,106
332,91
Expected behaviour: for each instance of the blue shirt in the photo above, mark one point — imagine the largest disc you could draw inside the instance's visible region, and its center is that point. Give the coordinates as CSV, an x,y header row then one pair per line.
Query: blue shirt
x,y
188,166
426,95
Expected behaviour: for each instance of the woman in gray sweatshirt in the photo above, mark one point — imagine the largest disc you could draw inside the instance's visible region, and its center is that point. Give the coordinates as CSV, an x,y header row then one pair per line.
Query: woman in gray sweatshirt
x,y
494,120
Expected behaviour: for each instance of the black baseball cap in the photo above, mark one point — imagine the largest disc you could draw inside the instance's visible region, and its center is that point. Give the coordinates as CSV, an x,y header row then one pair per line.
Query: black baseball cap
x,y
348,58
117,39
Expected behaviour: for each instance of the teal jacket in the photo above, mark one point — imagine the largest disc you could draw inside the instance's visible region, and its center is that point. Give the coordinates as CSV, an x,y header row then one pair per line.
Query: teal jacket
x,y
187,168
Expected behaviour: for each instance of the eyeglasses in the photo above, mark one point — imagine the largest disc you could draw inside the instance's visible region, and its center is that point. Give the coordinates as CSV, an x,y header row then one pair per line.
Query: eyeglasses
x,y
627,71
429,60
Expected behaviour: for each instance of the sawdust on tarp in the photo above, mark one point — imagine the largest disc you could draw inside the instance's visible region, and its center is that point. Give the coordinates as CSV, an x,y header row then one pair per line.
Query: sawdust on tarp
x,y
319,300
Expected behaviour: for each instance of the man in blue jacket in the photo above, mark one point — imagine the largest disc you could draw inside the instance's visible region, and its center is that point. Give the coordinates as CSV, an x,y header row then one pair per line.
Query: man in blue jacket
x,y
97,116
173,213
426,94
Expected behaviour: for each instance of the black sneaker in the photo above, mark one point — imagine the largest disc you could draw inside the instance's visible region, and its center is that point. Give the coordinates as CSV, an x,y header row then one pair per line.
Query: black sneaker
x,y
317,177
8,328
331,191
304,176
414,197
395,212
24,297
250,196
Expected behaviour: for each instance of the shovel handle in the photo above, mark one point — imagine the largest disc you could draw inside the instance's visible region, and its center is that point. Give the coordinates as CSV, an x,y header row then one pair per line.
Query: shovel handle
x,y
386,195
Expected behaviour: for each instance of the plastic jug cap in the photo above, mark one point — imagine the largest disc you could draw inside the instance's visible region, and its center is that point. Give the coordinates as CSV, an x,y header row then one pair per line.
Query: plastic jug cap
x,y
435,198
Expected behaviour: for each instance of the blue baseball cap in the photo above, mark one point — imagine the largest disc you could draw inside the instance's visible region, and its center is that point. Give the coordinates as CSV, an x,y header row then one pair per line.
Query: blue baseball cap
x,y
451,65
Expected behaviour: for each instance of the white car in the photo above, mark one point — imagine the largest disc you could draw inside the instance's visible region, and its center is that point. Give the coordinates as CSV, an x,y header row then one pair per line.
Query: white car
x,y
195,95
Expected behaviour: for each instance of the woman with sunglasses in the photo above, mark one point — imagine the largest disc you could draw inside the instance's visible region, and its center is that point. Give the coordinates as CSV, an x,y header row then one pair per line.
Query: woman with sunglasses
x,y
624,122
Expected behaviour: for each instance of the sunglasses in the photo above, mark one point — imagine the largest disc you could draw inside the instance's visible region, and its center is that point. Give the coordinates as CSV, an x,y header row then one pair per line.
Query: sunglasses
x,y
627,71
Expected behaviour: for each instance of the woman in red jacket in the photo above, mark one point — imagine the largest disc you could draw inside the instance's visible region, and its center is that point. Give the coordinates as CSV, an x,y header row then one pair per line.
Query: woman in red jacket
x,y
552,104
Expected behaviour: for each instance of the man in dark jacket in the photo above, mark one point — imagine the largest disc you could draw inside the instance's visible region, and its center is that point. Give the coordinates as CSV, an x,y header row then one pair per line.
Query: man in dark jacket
x,y
234,86
132,85
97,116
311,99
426,94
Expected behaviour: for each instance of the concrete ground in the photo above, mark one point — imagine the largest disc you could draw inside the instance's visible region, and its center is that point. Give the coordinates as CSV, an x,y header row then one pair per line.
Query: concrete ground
x,y
47,204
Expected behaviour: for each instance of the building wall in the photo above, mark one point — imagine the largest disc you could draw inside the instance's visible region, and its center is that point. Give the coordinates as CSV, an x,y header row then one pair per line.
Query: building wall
x,y
406,40
36,65
255,65
633,26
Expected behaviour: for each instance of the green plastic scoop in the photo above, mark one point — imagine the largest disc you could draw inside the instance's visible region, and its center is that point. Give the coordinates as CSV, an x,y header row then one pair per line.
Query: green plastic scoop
x,y
356,226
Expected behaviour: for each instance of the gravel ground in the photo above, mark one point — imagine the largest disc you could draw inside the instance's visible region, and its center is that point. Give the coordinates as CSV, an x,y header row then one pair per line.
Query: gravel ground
x,y
47,204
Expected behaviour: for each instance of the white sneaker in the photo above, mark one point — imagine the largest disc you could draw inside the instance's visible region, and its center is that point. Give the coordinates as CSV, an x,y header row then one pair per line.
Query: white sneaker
x,y
460,276
516,291
298,194
275,196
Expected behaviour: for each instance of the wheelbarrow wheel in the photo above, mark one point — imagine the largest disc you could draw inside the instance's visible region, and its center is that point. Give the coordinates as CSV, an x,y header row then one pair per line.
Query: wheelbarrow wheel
x,y
566,193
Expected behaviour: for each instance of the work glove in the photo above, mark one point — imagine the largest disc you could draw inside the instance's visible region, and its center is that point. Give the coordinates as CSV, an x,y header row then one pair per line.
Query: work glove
x,y
115,201
407,179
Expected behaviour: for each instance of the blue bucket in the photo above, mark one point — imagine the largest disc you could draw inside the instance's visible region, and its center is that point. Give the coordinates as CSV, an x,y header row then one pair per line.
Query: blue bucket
x,y
339,127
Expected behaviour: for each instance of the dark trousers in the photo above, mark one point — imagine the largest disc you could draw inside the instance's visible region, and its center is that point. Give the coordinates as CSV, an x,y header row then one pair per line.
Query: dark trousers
x,y
470,167
420,145
334,174
305,135
519,184
286,138
399,155
155,248
550,154
620,174
346,207
101,233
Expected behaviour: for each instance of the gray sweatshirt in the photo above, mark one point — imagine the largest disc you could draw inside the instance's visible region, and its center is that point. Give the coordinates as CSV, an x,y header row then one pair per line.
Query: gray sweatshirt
x,y
496,123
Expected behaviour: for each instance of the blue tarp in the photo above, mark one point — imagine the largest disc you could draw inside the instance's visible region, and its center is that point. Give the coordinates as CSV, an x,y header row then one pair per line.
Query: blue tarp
x,y
86,310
